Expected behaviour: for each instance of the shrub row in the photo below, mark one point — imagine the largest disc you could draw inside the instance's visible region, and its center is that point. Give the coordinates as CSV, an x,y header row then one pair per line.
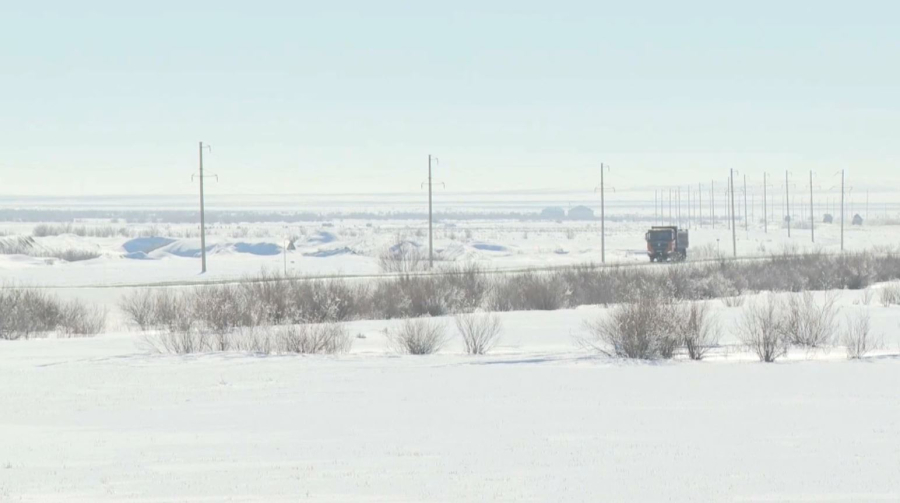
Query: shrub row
x,y
26,313
270,299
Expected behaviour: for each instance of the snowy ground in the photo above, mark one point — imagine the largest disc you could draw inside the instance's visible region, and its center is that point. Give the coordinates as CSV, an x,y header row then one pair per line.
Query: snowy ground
x,y
103,419
353,247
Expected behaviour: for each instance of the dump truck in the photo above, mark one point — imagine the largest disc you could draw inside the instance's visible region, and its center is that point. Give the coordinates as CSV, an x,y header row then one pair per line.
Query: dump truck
x,y
667,243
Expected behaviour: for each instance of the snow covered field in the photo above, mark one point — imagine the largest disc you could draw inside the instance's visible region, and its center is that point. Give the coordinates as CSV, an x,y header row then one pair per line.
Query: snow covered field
x,y
103,419
353,247
539,419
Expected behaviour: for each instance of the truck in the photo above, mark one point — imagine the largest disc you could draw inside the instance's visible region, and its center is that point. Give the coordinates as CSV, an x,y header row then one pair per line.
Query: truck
x,y
667,243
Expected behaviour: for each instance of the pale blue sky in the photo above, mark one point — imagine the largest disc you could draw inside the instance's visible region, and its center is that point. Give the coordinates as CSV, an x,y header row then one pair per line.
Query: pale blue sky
x,y
112,97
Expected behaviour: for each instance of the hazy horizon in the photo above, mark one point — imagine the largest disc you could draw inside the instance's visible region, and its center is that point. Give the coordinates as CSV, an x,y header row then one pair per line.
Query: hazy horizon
x,y
105,98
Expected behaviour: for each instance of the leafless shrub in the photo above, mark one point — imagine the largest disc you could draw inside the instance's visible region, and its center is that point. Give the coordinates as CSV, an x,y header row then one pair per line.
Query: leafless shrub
x,y
480,331
470,286
735,301
326,301
857,338
866,296
890,295
699,329
140,306
70,254
104,231
80,320
643,329
418,336
762,329
180,341
223,308
173,311
404,256
17,245
326,338
811,324
26,313
529,291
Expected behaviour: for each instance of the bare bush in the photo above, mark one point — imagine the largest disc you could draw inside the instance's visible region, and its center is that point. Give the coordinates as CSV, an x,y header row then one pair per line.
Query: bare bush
x,y
105,231
29,313
180,341
81,320
70,254
418,336
642,329
404,256
530,291
761,328
140,306
173,311
857,338
866,297
326,338
26,313
811,324
480,331
470,287
699,329
735,301
890,295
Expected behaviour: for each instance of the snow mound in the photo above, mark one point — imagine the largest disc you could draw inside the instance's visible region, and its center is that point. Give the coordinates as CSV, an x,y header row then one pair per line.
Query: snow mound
x,y
322,237
146,244
158,248
330,253
490,247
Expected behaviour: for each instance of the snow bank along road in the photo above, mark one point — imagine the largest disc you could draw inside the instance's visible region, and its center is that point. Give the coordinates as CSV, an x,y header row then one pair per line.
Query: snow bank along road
x,y
86,420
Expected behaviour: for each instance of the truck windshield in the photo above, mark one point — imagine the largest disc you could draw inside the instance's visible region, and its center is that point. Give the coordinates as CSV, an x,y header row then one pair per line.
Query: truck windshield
x,y
659,235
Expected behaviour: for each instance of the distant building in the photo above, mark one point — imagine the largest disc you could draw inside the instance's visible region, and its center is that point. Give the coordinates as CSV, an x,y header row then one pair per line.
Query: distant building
x,y
828,219
581,213
857,220
553,213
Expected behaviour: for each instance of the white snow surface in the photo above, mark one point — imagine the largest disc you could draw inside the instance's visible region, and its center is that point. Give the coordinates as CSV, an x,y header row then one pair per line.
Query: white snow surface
x,y
104,419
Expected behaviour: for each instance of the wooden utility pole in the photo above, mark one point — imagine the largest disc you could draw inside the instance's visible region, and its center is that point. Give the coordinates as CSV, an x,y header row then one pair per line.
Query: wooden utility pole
x,y
602,216
787,202
746,215
842,210
733,228
430,220
765,208
812,213
201,176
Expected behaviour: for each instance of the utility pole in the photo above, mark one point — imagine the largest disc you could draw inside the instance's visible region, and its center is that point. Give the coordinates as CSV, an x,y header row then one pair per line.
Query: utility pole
x,y
733,228
699,205
746,215
202,212
602,216
812,213
678,206
712,202
787,202
842,210
765,206
430,220
728,202
671,214
688,223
